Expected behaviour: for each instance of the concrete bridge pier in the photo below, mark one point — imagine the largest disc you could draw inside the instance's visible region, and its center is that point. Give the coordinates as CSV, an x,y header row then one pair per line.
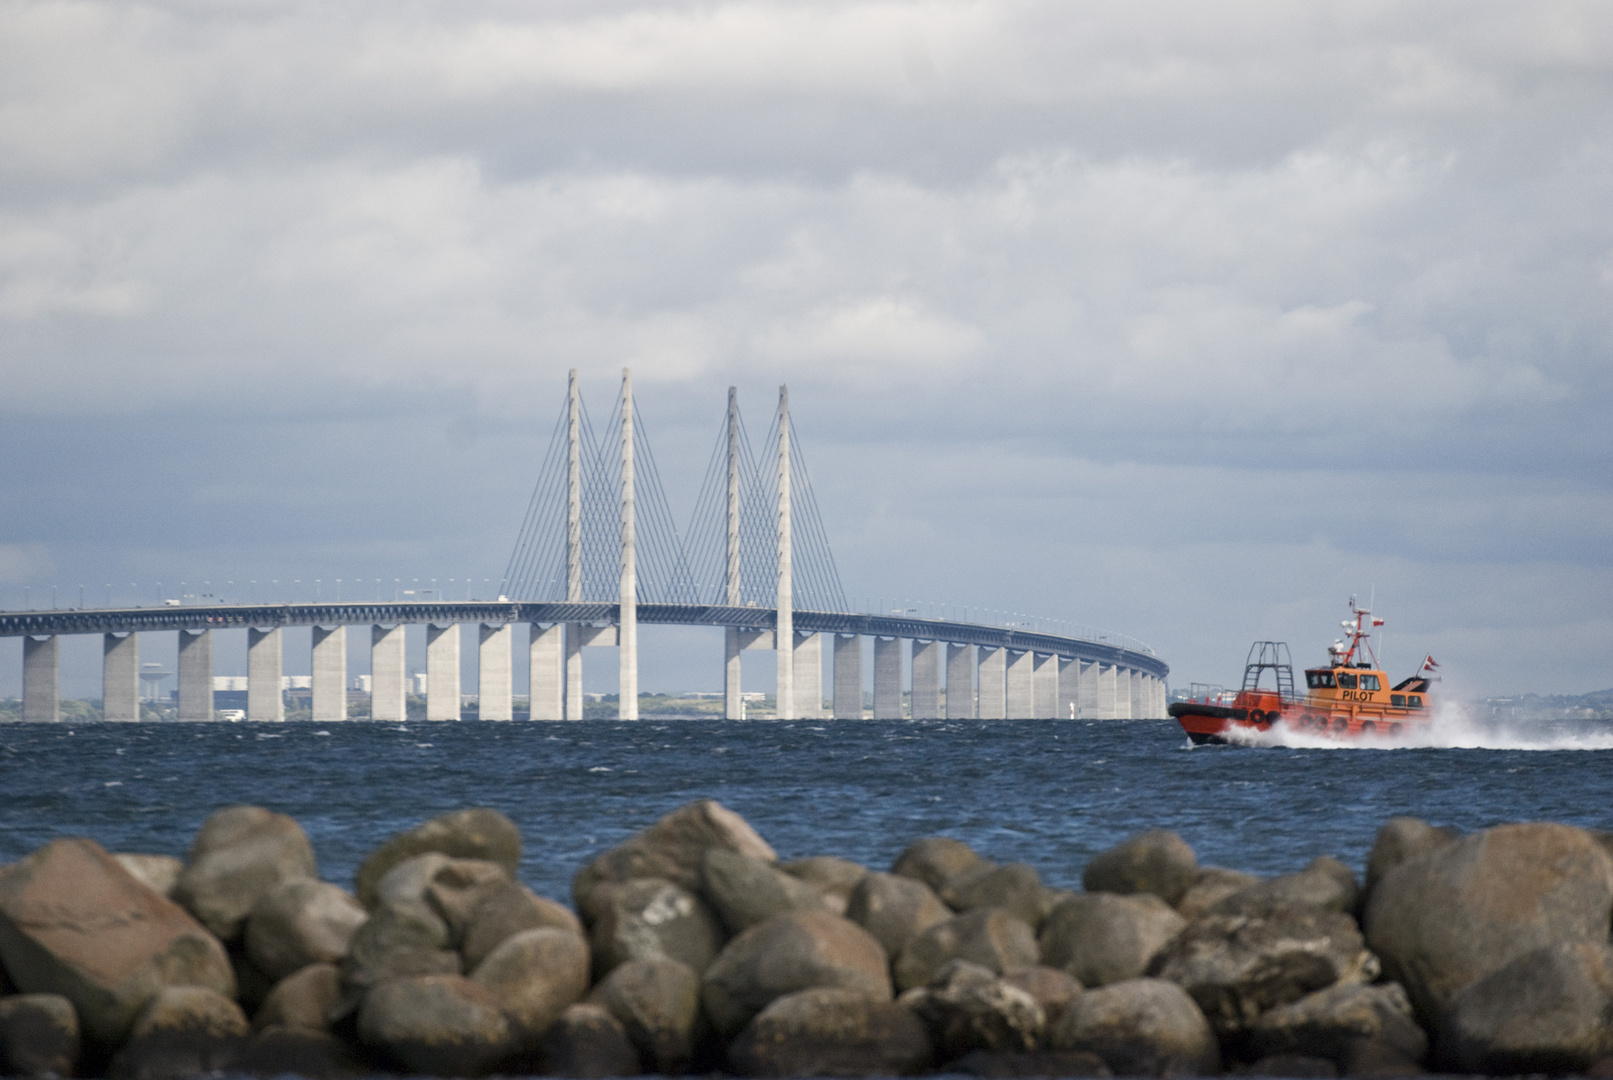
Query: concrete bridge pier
x,y
330,674
264,662
387,673
927,679
546,672
1087,703
120,676
1139,704
442,671
808,674
960,682
1106,692
1122,693
1069,687
195,675
1045,686
848,677
41,680
494,692
993,670
1020,686
887,678
1161,698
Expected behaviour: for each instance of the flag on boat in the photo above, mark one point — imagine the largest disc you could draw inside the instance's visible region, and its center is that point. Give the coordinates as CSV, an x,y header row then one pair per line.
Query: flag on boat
x,y
1377,622
1429,665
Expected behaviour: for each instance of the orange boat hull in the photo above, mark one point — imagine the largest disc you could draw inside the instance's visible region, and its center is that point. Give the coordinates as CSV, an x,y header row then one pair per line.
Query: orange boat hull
x,y
1206,723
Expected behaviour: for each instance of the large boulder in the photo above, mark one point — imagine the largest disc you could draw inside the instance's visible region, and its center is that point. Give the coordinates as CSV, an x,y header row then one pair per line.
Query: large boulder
x,y
1015,887
406,934
653,918
1326,883
1014,1064
239,854
587,1042
895,909
504,910
159,873
74,922
1334,1023
969,1008
797,950
1051,988
1102,938
936,860
832,877
304,999
989,937
182,1031
38,1036
1456,913
830,1032
745,891
1403,838
1212,885
439,1025
477,833
657,1002
1140,1027
301,922
673,849
535,975
301,1052
1157,861
1238,966
1549,1010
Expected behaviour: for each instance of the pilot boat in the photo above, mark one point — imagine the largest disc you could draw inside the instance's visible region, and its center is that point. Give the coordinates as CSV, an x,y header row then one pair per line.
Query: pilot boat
x,y
1348,699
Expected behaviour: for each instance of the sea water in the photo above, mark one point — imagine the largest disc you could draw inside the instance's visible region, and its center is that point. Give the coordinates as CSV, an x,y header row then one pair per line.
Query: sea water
x,y
1049,793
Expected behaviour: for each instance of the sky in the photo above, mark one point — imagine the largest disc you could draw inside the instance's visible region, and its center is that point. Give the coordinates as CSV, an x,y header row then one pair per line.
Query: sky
x,y
1185,321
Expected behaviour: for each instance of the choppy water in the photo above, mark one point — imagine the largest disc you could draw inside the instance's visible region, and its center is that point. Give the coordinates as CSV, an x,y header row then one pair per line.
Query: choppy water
x,y
1051,793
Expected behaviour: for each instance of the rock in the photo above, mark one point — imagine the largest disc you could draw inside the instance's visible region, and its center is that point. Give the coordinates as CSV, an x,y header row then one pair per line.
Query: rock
x,y
1015,887
1326,883
1238,966
477,833
159,873
301,1052
830,1032
1368,1058
968,1008
1140,1027
438,1025
653,918
657,1002
673,849
304,999
535,975
252,984
1212,885
405,936
1010,1065
1332,1023
1452,915
182,1031
1102,938
935,860
588,1042
895,909
745,891
989,937
38,1036
506,909
301,922
1403,838
797,950
832,877
240,853
1549,1010
1294,1065
1053,989
74,922
456,889
1157,861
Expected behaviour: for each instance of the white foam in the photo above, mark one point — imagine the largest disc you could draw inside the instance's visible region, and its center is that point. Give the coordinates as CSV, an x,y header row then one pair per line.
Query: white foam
x,y
1453,727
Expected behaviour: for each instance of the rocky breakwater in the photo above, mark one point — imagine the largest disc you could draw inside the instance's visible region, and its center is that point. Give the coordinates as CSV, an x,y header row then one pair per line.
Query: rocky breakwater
x,y
691,948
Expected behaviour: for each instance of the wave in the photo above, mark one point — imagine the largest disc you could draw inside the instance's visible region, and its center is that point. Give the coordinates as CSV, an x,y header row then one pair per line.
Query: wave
x,y
1454,727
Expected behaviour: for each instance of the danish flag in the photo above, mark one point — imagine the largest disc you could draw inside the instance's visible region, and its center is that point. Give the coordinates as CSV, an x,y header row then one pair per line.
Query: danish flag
x,y
1429,665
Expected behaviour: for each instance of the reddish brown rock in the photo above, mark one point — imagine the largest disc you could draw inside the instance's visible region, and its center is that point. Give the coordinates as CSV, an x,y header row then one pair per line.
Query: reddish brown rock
x,y
535,975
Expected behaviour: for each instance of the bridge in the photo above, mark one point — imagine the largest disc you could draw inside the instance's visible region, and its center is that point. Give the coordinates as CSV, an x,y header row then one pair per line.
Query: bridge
x,y
574,580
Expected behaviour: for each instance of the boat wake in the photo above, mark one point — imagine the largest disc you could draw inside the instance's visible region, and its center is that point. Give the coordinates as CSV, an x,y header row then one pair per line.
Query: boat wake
x,y
1454,727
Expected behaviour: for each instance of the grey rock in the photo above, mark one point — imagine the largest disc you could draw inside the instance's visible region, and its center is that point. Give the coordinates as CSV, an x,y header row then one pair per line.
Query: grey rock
x,y
1102,938
588,1042
1332,1023
301,922
895,909
239,854
477,833
438,1025
831,1032
831,876
504,910
301,1052
657,1002
182,1031
1298,1066
1549,1010
745,891
969,1008
652,918
159,873
457,890
1140,1027
797,950
1157,861
1403,838
535,975
1011,1065
1212,885
406,935
38,1036
1015,887
1452,915
989,937
304,999
1326,883
1051,988
935,860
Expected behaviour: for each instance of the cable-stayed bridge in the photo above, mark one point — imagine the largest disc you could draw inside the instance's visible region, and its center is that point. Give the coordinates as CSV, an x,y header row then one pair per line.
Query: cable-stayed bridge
x,y
598,553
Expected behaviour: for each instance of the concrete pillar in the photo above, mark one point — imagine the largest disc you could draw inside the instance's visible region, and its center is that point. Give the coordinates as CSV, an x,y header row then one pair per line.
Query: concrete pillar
x,y
571,676
887,678
120,676
1045,687
848,676
575,638
442,672
627,670
960,682
41,680
493,689
546,672
1162,705
993,667
1139,703
1087,706
1122,694
264,699
926,700
1106,692
387,674
808,676
786,592
732,704
1069,679
330,674
195,675
1020,686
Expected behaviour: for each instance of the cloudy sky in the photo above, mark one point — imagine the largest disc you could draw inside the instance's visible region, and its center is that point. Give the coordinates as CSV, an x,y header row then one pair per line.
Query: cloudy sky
x,y
1185,320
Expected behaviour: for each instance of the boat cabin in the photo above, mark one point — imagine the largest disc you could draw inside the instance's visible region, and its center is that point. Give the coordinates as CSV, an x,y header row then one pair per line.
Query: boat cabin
x,y
1359,683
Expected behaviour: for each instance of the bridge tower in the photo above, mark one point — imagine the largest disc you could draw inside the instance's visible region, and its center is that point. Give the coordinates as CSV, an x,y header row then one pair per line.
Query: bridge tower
x,y
784,626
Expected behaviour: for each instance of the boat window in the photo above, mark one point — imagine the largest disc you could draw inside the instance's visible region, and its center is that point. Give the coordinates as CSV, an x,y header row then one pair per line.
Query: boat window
x,y
1414,701
1346,680
1370,682
1398,700
1319,680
